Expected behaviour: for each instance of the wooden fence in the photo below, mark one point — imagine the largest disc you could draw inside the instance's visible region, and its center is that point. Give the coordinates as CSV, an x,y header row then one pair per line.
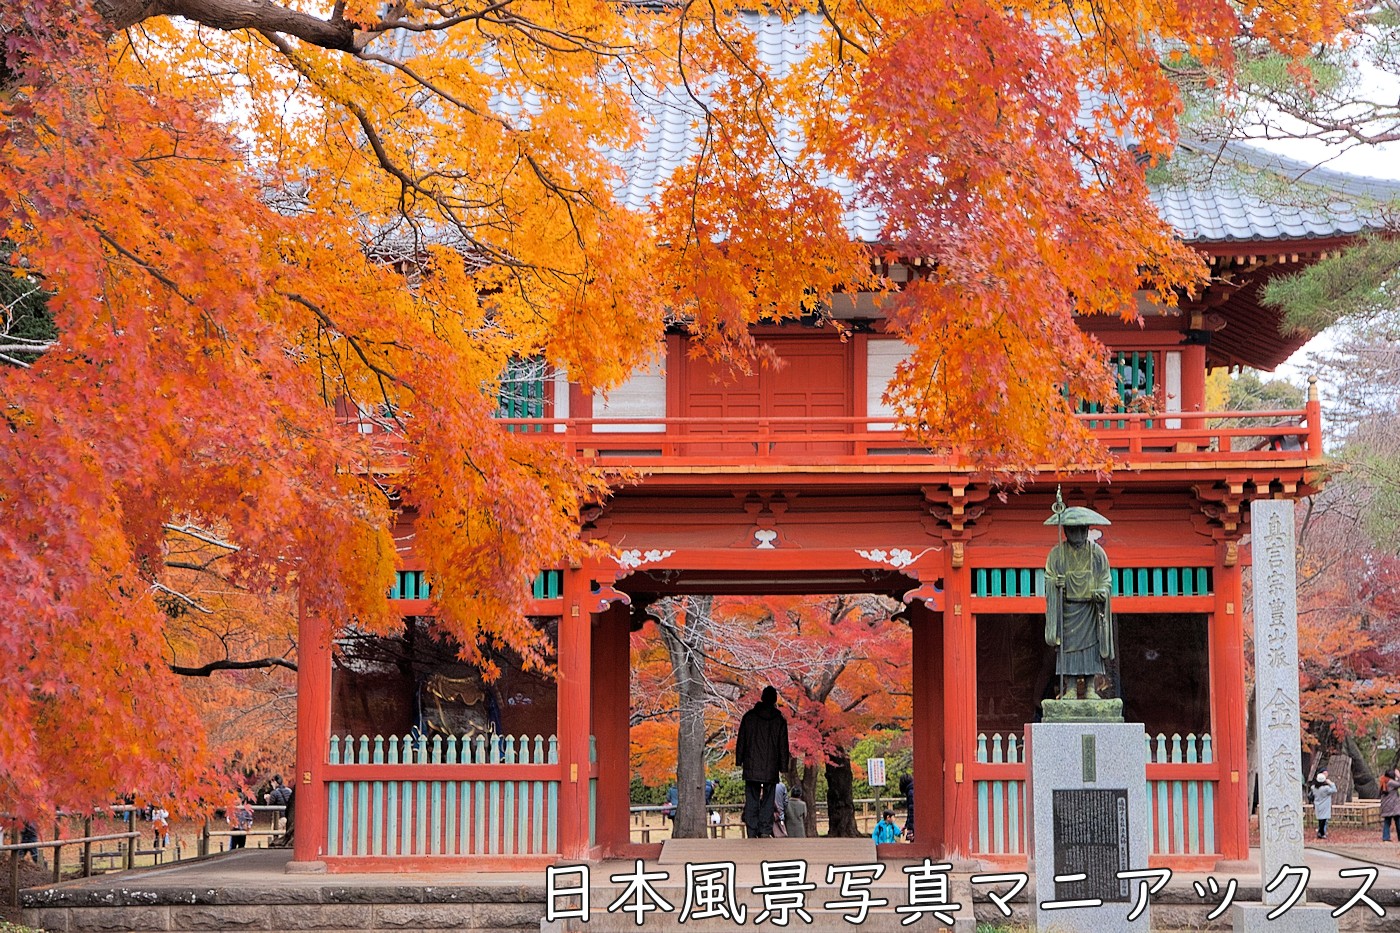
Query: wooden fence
x,y
444,796
126,840
1181,778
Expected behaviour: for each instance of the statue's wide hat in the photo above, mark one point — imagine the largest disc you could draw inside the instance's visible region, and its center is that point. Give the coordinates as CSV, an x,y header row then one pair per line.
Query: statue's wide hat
x,y
1076,515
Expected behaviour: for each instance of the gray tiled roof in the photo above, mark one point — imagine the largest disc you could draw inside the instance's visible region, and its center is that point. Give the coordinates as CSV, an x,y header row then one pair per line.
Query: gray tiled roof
x,y
1236,193
671,121
1230,193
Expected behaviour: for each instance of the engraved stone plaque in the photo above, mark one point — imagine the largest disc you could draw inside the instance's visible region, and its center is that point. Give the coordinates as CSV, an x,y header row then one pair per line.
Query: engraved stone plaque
x,y
1091,838
1277,715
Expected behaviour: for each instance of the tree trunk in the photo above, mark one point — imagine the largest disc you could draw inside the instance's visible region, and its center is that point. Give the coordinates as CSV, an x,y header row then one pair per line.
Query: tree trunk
x,y
806,777
840,798
1339,772
1367,785
683,632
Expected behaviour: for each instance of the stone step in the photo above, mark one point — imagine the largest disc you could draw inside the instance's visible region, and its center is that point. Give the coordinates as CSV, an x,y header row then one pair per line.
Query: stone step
x,y
823,921
820,851
827,905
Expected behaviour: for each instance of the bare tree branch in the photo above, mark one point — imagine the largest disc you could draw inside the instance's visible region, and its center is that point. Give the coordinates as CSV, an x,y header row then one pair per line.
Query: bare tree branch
x,y
228,665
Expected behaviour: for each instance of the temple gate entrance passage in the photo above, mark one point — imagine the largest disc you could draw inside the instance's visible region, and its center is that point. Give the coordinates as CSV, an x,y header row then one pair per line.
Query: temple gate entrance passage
x,y
840,665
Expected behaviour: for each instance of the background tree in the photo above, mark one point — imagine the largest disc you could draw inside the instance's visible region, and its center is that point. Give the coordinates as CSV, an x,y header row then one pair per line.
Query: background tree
x,y
1349,557
841,667
1349,627
26,326
682,625
252,220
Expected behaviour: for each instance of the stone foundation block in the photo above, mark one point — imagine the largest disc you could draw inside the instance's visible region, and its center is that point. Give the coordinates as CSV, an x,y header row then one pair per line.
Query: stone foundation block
x,y
507,916
1301,918
121,919
54,921
322,917
424,916
218,917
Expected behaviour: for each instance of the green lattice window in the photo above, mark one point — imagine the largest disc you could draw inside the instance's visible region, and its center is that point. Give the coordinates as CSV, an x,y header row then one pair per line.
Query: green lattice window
x,y
1135,380
409,584
522,392
1127,581
413,584
549,584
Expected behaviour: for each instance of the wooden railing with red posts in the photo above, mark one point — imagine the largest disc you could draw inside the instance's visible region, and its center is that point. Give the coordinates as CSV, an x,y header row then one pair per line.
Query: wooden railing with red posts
x,y
1132,439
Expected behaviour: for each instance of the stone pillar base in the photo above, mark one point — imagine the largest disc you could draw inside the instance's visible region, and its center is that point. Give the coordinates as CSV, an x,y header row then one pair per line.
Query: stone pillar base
x,y
1235,866
1300,918
1088,816
306,868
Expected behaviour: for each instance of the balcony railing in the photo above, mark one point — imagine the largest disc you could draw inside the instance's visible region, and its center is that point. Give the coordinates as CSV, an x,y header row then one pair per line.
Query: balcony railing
x,y
1133,438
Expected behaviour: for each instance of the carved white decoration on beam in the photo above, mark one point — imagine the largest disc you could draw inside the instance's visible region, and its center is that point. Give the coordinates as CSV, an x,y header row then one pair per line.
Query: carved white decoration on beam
x,y
896,557
636,557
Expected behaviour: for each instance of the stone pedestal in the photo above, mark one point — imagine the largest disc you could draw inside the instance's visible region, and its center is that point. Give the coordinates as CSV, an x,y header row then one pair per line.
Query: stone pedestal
x,y
1099,710
1300,918
1088,816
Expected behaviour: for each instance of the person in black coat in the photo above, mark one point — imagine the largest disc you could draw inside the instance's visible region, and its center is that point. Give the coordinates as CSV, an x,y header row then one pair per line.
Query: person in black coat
x,y
762,753
906,787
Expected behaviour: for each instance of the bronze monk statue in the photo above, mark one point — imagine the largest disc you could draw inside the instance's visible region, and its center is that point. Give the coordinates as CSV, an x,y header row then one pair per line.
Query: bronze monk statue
x,y
1078,586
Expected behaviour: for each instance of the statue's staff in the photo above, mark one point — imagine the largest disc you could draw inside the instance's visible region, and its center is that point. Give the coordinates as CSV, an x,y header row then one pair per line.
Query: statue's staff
x,y
1056,511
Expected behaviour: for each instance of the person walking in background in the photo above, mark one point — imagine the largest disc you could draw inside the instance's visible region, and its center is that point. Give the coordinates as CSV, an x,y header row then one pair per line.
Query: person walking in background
x,y
1390,804
796,814
29,833
673,800
1322,792
906,787
280,796
762,752
160,827
886,830
780,800
240,820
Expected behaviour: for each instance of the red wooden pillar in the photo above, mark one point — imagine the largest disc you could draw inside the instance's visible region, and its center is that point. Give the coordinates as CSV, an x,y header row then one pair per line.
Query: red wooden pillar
x,y
1227,715
575,719
313,738
1193,378
612,663
959,708
926,650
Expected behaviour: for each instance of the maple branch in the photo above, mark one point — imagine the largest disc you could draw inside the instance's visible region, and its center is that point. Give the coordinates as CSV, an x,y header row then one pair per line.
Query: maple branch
x,y
392,19
149,269
336,34
450,210
841,36
409,72
201,568
187,600
350,339
229,665
201,535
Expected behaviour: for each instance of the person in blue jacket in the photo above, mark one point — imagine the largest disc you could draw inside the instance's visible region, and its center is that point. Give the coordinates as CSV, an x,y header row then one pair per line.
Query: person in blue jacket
x,y
886,830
